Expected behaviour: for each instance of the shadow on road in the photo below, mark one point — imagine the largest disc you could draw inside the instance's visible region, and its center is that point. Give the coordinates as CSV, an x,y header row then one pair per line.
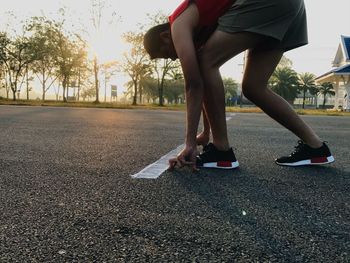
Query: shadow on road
x,y
295,213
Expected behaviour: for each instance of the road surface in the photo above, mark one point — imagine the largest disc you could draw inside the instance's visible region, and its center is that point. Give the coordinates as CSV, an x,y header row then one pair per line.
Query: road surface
x,y
67,195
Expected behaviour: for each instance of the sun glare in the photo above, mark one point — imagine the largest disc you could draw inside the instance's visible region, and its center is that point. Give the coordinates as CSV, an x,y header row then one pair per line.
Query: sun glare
x,y
105,46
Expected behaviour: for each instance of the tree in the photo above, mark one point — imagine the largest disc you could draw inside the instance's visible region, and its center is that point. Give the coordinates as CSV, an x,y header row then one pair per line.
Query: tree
x,y
284,81
150,88
28,80
176,73
326,89
88,92
70,56
285,62
306,83
136,62
16,54
231,88
315,91
100,10
108,70
5,80
2,76
175,90
161,67
83,75
43,36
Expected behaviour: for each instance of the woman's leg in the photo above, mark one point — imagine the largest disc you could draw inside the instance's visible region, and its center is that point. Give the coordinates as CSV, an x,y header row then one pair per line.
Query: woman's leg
x,y
220,48
204,137
259,68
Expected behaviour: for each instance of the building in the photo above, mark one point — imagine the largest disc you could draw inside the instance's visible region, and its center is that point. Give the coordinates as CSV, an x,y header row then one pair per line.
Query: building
x,y
340,75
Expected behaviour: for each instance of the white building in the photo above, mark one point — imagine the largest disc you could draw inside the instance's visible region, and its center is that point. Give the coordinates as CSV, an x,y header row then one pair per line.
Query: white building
x,y
340,75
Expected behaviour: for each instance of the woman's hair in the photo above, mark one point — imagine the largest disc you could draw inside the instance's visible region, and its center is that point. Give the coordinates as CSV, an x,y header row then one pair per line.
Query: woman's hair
x,y
152,40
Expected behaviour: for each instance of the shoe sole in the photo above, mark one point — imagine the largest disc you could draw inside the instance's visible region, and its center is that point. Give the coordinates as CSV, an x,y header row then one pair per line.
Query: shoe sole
x,y
313,161
221,165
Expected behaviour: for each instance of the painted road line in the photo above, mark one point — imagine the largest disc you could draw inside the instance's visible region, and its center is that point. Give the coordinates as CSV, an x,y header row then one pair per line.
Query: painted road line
x,y
229,116
154,170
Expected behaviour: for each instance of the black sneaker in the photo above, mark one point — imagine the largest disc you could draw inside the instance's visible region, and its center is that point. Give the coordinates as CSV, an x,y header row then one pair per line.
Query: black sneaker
x,y
211,157
207,147
305,155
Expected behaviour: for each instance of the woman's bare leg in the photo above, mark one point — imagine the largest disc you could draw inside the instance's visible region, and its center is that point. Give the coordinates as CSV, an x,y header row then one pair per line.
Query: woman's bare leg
x,y
204,137
220,48
260,66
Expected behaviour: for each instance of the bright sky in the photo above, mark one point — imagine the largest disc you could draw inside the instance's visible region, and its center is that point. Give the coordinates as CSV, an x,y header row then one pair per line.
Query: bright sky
x,y
327,20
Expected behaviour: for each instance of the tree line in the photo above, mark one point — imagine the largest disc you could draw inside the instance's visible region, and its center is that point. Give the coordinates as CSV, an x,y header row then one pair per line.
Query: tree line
x,y
58,59
289,84
46,51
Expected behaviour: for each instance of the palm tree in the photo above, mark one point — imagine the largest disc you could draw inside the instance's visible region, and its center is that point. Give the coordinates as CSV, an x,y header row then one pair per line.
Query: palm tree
x,y
306,83
284,81
325,89
315,91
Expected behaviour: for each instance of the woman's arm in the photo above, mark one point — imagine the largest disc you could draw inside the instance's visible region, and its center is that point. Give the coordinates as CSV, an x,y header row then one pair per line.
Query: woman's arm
x,y
182,35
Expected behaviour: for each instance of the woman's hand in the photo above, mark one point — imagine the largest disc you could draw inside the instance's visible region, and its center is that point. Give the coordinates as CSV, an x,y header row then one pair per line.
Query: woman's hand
x,y
187,157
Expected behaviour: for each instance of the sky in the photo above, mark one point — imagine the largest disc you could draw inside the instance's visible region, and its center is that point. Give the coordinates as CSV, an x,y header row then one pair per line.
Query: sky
x,y
327,21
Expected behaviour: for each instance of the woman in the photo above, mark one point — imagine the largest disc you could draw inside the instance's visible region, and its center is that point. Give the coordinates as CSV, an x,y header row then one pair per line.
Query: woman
x,y
267,29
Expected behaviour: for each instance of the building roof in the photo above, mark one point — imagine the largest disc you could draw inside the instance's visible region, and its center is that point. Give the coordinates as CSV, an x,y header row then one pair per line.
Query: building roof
x,y
343,52
341,62
346,46
341,71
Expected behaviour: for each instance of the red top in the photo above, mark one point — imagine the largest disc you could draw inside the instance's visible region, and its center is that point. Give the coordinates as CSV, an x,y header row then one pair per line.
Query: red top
x,y
209,10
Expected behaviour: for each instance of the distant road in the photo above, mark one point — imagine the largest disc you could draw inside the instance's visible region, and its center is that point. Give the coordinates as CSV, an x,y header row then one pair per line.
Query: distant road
x,y
66,192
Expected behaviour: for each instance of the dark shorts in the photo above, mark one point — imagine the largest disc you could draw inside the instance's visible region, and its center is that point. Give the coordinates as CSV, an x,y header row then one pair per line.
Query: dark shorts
x,y
282,21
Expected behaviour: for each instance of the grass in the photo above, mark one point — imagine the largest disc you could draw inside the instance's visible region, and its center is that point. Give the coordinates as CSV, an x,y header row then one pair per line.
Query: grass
x,y
180,107
81,104
328,112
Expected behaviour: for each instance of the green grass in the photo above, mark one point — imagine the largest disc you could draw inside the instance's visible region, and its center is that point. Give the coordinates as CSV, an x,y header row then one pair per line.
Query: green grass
x,y
328,112
180,107
90,104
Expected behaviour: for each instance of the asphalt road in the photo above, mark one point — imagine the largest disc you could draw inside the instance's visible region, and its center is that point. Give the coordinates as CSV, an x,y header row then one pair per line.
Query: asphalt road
x,y
66,194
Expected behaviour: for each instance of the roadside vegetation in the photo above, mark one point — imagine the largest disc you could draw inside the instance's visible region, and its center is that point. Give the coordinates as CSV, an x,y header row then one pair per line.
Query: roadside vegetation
x,y
172,107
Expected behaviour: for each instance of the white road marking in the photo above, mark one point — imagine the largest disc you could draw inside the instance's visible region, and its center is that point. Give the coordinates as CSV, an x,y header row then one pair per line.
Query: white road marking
x,y
154,170
229,116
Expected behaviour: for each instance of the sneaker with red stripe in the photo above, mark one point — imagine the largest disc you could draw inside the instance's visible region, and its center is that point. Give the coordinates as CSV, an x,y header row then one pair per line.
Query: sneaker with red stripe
x,y
305,155
211,157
